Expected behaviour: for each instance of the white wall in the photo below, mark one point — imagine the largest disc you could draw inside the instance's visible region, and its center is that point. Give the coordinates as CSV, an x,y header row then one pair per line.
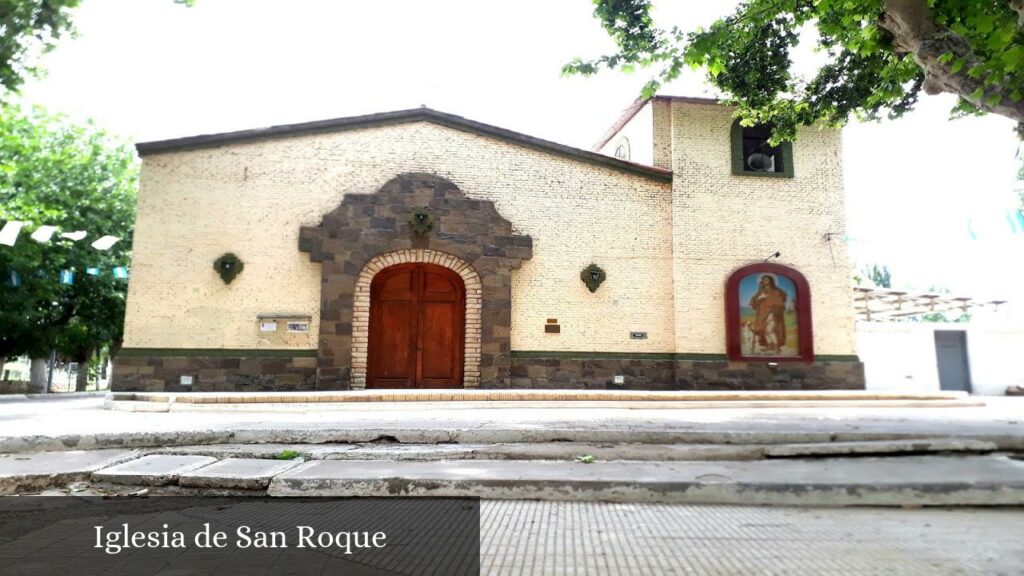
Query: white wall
x,y
901,356
995,359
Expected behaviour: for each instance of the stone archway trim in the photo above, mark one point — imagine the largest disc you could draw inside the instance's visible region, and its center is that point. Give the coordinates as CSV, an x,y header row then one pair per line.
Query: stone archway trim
x,y
361,309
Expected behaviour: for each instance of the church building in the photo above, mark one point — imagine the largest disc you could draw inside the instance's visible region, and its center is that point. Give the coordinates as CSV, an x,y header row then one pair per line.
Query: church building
x,y
418,249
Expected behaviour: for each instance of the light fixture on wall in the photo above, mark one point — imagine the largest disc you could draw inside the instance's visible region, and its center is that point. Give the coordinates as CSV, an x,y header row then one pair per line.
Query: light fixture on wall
x,y
228,266
421,221
773,255
593,276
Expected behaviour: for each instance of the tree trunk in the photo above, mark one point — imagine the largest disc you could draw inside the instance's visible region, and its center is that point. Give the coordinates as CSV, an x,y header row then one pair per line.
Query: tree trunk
x,y
37,376
916,32
82,377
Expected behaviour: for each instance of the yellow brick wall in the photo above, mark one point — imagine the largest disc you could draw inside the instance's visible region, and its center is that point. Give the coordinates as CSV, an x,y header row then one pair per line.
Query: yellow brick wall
x,y
251,199
721,222
661,117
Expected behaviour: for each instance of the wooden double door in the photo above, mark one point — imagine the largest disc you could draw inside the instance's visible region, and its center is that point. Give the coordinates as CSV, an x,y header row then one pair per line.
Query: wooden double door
x,y
417,321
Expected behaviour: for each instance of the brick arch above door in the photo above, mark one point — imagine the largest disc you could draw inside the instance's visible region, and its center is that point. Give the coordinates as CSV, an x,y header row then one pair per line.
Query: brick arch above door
x,y
361,309
367,227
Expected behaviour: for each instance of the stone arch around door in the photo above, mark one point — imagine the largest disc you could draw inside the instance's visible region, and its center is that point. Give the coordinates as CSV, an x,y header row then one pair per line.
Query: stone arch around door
x,y
368,228
361,309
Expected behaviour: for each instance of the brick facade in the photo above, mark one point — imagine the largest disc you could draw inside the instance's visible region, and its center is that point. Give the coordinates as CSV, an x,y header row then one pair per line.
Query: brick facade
x,y
676,372
213,371
516,216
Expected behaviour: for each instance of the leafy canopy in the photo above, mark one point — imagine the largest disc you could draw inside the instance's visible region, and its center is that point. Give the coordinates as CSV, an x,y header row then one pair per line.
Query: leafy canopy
x,y
76,178
880,55
29,28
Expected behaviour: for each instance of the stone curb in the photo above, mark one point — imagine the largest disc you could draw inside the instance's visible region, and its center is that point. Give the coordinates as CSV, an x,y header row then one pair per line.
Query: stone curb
x,y
931,481
463,436
525,395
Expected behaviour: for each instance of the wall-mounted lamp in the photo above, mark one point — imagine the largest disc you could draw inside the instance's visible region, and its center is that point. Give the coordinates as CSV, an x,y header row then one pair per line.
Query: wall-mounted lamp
x,y
421,221
773,255
228,266
593,276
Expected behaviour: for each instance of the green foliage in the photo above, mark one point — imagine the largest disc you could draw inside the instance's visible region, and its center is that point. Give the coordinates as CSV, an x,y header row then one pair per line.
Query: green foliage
x,y
747,55
77,178
942,317
586,459
879,275
29,28
286,455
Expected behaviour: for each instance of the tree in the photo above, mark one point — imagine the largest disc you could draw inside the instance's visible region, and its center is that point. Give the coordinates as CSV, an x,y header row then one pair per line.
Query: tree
x,y
76,178
880,276
29,28
880,55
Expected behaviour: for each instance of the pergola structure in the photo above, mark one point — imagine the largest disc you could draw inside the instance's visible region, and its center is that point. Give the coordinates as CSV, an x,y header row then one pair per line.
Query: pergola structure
x,y
884,304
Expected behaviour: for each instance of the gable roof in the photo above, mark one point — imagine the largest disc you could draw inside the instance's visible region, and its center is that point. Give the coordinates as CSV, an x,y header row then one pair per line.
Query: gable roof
x,y
400,117
635,109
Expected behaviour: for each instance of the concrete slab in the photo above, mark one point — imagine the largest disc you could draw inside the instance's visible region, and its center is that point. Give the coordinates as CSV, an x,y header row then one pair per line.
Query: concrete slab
x,y
305,451
20,473
527,395
879,447
567,451
570,450
912,480
152,470
239,473
81,423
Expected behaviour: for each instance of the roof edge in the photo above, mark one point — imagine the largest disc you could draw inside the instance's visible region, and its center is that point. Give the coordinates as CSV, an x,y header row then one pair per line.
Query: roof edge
x,y
399,117
628,114
691,100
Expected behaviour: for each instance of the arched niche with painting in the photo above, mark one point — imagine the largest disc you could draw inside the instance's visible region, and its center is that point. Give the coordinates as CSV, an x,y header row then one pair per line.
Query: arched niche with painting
x,y
768,314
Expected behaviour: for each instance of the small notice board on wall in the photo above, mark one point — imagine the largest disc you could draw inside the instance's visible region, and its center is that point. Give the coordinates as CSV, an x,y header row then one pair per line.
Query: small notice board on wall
x,y
284,328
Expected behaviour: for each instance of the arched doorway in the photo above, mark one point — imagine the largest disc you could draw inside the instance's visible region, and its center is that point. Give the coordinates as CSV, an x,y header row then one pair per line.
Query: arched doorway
x,y
417,319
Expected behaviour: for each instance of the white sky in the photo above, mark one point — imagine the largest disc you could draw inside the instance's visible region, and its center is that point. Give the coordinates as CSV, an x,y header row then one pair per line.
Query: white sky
x,y
150,69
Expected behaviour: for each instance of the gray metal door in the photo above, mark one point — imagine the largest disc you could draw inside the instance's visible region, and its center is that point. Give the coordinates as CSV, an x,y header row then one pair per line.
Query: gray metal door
x,y
951,351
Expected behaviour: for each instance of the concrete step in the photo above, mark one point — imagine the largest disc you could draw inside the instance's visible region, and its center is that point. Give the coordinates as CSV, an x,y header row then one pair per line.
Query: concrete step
x,y
356,432
905,481
292,402
570,450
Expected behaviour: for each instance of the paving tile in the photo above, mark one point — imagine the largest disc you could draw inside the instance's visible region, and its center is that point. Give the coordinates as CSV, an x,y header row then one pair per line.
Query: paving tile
x,y
152,470
37,470
240,473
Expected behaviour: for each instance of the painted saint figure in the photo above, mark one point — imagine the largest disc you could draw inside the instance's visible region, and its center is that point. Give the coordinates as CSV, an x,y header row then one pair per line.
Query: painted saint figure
x,y
769,305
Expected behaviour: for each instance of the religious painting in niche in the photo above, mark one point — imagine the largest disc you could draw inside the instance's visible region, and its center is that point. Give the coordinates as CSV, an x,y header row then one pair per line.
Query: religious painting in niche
x,y
768,314
768,320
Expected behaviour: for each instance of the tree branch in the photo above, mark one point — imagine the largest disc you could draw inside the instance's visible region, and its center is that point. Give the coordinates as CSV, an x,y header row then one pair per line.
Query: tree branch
x,y
1018,5
915,31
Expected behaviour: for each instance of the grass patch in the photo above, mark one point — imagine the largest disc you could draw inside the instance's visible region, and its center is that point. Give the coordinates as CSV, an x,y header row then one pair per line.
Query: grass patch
x,y
286,455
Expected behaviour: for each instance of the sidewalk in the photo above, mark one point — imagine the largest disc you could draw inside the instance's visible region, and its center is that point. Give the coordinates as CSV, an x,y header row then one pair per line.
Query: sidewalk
x,y
795,456
82,423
